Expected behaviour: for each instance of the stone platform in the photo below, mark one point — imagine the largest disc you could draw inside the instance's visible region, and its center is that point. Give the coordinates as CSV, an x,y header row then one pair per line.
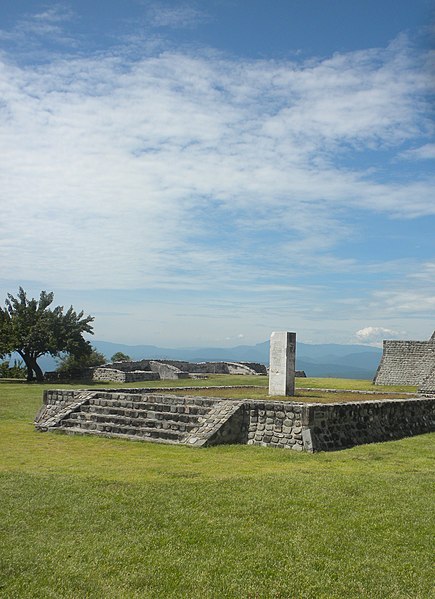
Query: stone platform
x,y
162,417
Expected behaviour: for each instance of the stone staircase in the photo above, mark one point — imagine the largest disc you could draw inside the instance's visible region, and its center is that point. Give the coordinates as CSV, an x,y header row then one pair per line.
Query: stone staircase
x,y
150,417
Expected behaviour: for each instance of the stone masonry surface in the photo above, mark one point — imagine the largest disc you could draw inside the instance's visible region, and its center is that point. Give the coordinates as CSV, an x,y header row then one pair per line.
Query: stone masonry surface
x,y
222,424
336,426
275,424
53,402
428,385
120,376
406,362
199,421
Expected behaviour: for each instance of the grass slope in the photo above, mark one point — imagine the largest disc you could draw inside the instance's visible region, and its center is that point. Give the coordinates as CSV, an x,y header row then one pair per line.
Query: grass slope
x,y
85,517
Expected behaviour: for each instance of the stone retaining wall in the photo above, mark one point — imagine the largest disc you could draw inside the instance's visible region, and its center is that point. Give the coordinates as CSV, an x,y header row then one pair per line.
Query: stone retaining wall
x,y
337,426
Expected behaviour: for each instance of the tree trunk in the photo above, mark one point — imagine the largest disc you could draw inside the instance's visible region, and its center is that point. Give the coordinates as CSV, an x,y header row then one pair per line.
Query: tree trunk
x,y
38,372
29,366
32,367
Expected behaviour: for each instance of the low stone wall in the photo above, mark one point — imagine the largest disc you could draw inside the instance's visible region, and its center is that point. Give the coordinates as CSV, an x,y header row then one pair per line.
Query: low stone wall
x,y
326,427
119,376
337,426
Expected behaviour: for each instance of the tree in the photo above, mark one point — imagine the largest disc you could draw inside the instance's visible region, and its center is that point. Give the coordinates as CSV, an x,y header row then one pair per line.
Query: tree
x,y
31,328
120,357
70,363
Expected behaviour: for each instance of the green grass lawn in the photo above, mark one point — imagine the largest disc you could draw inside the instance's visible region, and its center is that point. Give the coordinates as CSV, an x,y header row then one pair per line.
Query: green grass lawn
x,y
85,517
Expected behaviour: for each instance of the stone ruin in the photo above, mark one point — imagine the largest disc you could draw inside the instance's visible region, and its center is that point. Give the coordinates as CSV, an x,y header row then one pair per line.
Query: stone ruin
x,y
408,363
147,370
161,416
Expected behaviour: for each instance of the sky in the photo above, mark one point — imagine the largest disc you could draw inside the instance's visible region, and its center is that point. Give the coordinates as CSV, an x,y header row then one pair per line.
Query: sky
x,y
204,173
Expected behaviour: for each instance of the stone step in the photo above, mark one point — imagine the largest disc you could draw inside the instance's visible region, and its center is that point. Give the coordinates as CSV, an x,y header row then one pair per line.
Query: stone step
x,y
146,416
163,408
120,429
160,421
140,413
110,434
102,396
162,405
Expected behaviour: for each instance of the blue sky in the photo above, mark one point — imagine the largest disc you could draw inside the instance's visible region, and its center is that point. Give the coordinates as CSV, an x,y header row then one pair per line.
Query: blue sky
x,y
203,173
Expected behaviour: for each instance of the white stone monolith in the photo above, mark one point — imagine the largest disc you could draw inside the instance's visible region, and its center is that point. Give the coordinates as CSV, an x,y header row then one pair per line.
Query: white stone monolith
x,y
282,363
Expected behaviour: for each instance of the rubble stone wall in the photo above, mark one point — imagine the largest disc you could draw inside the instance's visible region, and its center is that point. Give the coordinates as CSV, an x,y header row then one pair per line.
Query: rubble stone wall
x,y
337,426
277,424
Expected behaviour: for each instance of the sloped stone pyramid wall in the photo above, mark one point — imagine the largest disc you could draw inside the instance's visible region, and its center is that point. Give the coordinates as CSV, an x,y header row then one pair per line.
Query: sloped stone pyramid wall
x,y
406,362
428,385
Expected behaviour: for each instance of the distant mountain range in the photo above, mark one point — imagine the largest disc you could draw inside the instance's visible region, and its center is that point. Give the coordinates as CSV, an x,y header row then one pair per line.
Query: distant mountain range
x,y
326,360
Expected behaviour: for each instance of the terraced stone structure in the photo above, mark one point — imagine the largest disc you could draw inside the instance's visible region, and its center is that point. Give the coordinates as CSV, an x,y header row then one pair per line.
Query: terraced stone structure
x,y
162,417
406,363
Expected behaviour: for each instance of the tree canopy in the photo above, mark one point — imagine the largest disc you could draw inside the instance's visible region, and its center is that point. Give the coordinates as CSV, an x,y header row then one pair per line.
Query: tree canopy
x,y
120,357
69,363
31,328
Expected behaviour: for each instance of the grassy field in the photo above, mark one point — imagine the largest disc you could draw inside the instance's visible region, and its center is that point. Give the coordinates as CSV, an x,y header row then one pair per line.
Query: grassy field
x,y
85,517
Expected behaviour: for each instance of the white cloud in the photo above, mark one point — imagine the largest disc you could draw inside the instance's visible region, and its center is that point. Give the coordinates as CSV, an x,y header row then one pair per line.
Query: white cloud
x,y
425,152
45,26
417,301
181,16
425,273
194,172
375,335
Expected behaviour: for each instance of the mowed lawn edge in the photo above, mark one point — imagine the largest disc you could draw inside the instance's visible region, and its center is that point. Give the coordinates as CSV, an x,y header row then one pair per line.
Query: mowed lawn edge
x,y
87,517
